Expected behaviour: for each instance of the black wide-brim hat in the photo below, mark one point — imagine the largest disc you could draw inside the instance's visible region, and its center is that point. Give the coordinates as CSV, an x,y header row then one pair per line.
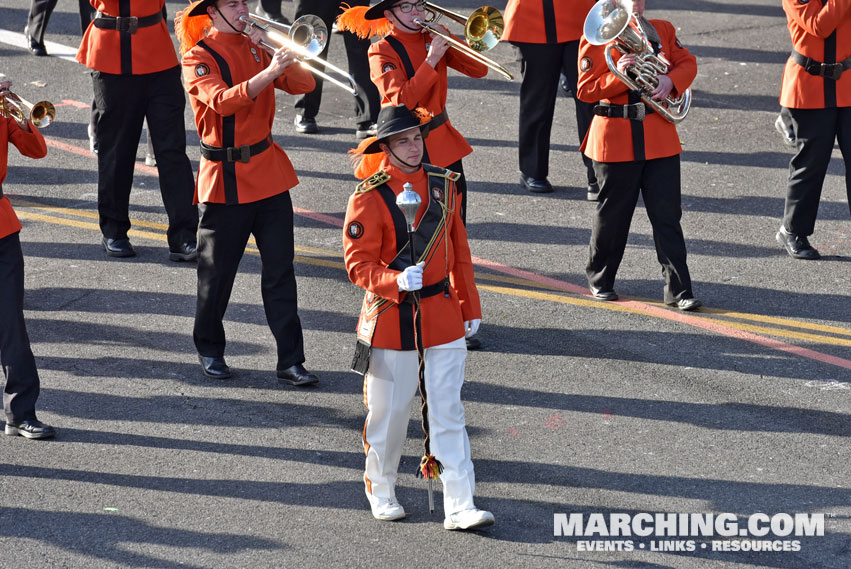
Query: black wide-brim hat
x,y
394,120
377,11
199,8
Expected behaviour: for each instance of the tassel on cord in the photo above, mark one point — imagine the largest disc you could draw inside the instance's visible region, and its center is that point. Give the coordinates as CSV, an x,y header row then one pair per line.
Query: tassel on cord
x,y
429,467
190,31
352,20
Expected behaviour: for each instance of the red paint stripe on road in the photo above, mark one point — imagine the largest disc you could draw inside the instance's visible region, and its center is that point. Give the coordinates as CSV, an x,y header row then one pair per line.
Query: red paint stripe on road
x,y
73,103
667,314
324,218
80,151
680,317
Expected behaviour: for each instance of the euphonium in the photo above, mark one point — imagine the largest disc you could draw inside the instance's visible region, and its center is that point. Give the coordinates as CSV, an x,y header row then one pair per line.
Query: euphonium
x,y
41,114
614,21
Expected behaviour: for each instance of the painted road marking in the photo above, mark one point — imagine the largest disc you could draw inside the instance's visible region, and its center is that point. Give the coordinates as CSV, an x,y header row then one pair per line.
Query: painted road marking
x,y
519,278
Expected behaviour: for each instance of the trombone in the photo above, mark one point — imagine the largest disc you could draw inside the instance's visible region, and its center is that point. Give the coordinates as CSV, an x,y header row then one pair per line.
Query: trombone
x,y
41,114
482,31
308,36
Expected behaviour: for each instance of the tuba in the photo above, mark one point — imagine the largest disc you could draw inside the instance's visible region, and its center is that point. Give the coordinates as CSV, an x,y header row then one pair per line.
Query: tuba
x,y
614,21
41,114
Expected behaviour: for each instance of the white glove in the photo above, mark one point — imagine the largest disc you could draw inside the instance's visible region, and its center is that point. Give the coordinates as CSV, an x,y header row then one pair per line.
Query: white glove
x,y
471,327
411,278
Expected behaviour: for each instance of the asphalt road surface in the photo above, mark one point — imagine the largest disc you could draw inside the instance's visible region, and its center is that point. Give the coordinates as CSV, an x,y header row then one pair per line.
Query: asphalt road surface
x,y
573,407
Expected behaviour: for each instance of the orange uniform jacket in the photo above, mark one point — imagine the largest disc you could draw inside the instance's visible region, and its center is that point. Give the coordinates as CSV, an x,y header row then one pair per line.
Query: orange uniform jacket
x,y
610,139
222,111
427,88
545,21
810,24
148,50
369,243
29,144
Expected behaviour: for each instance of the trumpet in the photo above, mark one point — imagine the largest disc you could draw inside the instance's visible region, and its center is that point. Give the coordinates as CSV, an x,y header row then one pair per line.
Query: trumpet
x,y
482,30
614,21
41,114
307,36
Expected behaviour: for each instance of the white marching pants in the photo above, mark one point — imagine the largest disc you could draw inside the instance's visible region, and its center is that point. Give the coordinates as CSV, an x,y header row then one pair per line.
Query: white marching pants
x,y
390,386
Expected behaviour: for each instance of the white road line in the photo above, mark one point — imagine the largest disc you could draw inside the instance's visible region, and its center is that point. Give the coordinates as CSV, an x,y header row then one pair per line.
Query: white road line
x,y
54,49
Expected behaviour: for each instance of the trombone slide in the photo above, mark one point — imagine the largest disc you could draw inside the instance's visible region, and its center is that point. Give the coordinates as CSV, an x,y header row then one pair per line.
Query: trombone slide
x,y
277,40
465,49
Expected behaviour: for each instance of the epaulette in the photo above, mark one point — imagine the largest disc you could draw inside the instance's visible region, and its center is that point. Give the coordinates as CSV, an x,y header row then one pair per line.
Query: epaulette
x,y
442,172
377,179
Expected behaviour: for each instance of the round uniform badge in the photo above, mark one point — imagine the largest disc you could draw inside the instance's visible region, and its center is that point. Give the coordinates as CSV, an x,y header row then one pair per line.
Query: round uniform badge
x,y
437,193
201,69
585,63
388,67
354,230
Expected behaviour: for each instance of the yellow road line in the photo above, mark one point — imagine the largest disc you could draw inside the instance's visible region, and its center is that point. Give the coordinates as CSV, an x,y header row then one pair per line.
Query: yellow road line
x,y
558,296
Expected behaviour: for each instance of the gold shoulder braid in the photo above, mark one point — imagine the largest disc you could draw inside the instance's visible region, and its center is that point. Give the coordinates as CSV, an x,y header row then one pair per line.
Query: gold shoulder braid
x,y
380,177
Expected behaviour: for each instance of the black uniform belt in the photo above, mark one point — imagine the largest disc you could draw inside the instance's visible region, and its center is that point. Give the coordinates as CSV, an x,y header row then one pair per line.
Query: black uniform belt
x,y
430,290
234,153
826,70
635,112
438,120
126,24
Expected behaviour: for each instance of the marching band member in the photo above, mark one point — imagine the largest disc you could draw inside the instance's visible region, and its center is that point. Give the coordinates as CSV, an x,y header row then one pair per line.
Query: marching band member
x,y
16,357
376,249
547,35
243,179
135,74
409,67
633,156
816,93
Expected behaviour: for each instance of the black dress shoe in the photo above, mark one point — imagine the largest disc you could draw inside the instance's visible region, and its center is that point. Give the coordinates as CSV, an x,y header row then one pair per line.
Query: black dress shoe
x,y
536,185
297,375
30,429
305,125
35,47
366,130
118,247
686,304
797,246
214,368
184,252
593,193
603,294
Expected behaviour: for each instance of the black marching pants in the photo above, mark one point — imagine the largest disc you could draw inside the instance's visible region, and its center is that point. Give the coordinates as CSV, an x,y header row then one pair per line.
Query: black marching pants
x,y
658,181
222,236
40,11
815,132
123,103
541,66
367,103
16,357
